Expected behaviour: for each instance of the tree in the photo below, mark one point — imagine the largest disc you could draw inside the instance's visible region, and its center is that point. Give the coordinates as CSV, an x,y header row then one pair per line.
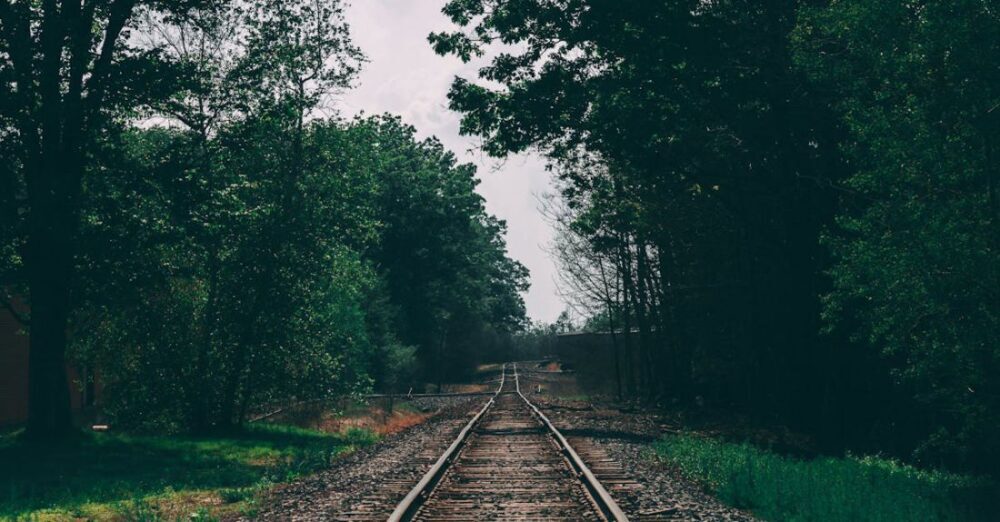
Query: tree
x,y
676,129
183,215
442,256
777,188
917,245
69,66
179,232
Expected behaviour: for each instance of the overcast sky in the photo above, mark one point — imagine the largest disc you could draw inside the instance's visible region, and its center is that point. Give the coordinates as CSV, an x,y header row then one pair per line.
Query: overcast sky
x,y
405,77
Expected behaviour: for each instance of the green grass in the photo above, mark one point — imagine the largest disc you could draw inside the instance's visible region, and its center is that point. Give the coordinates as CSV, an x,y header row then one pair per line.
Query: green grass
x,y
111,476
579,397
776,487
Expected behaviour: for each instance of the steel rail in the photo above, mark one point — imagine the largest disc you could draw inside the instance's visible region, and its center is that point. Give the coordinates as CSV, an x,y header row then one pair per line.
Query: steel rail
x,y
601,497
416,497
410,504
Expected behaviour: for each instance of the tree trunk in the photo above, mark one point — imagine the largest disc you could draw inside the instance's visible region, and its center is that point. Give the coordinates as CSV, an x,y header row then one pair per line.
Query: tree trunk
x,y
614,347
54,124
438,358
626,275
609,299
49,415
55,178
670,326
50,263
642,317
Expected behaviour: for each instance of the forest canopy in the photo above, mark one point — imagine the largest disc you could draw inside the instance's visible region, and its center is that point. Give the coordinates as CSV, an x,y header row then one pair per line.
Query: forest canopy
x,y
788,209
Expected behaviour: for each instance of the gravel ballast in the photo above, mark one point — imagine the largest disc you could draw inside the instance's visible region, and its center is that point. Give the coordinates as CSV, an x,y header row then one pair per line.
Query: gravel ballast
x,y
603,433
367,484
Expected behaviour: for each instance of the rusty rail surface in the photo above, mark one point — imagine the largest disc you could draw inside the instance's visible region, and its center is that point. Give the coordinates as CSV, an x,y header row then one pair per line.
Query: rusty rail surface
x,y
467,478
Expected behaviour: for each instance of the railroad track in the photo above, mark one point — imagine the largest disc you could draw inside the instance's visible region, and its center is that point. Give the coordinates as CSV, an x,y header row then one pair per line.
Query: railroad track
x,y
508,462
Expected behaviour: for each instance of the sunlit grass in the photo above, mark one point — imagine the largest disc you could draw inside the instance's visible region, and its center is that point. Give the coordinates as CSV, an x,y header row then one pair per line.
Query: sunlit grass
x,y
776,487
111,476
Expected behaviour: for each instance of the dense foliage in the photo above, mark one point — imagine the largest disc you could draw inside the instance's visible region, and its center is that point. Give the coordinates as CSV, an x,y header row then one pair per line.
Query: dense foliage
x,y
229,245
788,208
388,248
65,69
918,242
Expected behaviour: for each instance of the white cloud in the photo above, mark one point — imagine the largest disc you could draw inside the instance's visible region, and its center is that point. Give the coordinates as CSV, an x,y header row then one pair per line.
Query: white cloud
x,y
404,76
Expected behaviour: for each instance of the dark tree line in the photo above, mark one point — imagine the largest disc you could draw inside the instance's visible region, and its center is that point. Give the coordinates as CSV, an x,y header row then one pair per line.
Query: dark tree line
x,y
180,214
787,208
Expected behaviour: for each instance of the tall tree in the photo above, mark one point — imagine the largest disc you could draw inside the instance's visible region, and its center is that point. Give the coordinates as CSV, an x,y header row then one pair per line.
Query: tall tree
x,y
693,110
443,257
917,246
69,65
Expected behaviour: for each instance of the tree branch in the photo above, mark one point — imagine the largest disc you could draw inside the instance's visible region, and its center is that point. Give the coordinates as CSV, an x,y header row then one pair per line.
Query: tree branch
x,y
21,318
121,11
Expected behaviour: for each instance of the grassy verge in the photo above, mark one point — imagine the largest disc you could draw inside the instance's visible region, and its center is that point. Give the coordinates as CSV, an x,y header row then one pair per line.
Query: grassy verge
x,y
122,477
370,416
776,487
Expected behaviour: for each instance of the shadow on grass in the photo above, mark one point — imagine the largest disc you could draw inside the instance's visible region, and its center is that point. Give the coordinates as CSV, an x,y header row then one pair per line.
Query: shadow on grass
x,y
109,468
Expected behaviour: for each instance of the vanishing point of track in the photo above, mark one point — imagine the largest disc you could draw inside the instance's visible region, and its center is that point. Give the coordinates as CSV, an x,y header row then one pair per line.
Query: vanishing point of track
x,y
509,462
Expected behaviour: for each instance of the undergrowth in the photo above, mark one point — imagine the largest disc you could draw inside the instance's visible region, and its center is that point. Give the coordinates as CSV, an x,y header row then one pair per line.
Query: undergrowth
x,y
776,487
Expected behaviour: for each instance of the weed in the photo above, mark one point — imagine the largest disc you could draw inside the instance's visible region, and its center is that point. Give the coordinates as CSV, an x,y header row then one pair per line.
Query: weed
x,y
137,510
360,437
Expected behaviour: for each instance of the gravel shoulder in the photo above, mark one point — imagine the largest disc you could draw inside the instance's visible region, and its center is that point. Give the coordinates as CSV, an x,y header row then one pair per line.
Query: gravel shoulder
x,y
367,484
613,441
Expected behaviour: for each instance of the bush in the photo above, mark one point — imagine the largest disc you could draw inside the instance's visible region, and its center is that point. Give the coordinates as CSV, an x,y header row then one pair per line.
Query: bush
x,y
360,437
